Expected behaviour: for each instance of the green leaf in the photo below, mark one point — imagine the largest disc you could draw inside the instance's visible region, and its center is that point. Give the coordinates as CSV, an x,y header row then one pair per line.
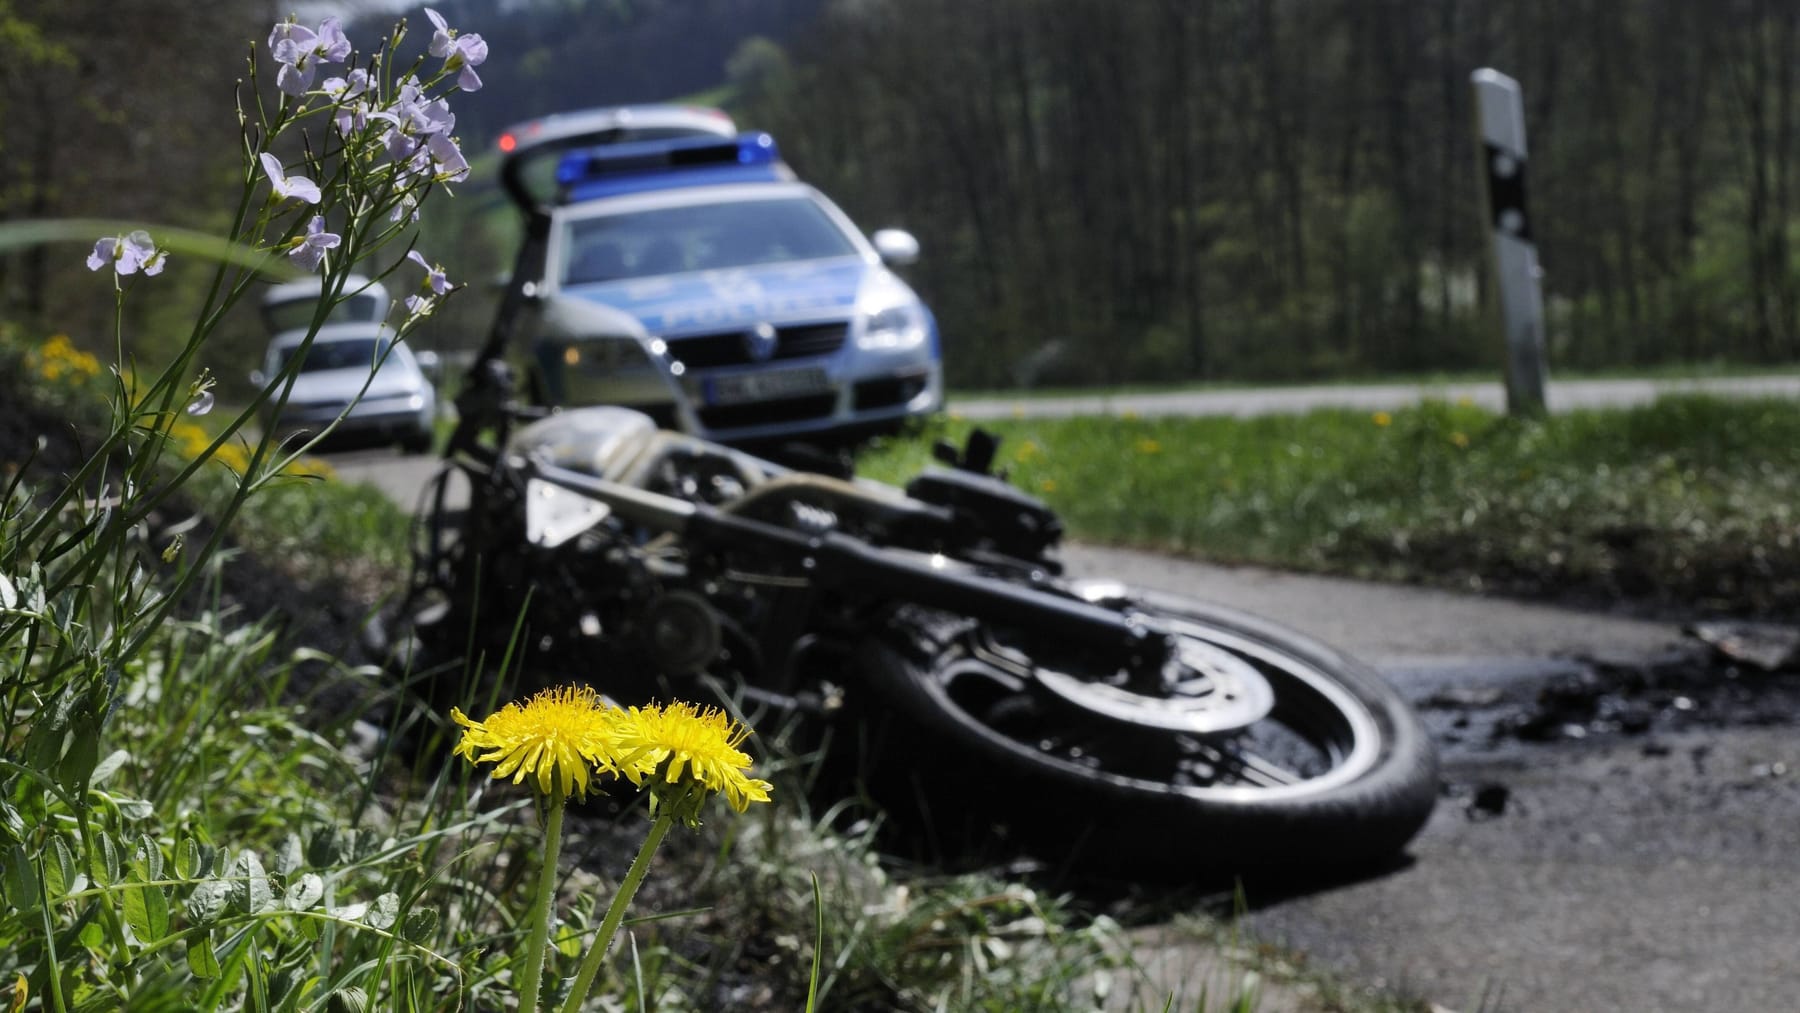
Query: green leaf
x,y
419,924
323,852
208,900
349,999
305,892
92,935
23,891
109,766
134,810
147,858
11,823
60,877
289,857
45,743
77,765
188,859
385,911
255,893
103,861
147,912
200,957
281,987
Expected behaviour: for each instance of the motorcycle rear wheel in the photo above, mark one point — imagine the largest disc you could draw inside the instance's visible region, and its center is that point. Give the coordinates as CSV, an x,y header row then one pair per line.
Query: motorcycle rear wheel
x,y
1338,772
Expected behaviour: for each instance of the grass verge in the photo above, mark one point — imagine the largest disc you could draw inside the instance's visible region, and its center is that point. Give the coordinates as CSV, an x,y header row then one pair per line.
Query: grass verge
x,y
1688,504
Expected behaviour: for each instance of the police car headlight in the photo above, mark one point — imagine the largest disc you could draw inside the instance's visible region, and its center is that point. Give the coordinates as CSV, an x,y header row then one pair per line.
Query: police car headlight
x,y
893,319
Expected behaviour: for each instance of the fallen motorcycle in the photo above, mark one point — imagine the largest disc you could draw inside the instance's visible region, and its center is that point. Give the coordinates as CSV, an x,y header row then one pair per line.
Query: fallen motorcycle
x,y
930,630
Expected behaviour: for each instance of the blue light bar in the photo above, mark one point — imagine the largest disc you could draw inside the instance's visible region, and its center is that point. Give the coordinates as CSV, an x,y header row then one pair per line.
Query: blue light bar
x,y
649,165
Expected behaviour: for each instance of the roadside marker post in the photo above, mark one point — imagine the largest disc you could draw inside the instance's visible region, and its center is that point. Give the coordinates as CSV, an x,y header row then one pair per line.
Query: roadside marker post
x,y
1500,112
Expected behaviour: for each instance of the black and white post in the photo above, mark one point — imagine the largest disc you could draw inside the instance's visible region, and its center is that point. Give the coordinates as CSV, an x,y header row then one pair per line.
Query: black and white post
x,y
1500,111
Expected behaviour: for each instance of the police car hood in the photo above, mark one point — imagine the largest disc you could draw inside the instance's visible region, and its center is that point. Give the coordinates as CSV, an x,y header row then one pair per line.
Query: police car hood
x,y
701,301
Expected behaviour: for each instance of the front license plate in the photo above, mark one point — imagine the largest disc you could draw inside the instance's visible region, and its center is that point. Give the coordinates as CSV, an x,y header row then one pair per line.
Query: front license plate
x,y
769,386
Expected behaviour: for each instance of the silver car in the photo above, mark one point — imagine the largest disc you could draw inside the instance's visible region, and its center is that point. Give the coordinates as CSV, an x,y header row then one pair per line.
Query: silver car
x,y
357,371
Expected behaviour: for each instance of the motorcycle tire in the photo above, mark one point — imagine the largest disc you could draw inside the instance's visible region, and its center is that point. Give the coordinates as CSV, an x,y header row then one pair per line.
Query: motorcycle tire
x,y
1354,778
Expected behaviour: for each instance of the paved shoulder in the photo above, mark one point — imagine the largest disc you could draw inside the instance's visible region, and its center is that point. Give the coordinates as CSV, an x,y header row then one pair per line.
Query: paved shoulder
x,y
1387,624
1562,395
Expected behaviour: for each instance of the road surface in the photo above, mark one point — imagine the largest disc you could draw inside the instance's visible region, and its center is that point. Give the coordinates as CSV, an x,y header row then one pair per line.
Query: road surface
x,y
1642,861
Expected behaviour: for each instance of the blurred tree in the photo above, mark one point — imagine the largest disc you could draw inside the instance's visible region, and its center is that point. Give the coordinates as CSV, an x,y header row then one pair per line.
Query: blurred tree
x,y
115,111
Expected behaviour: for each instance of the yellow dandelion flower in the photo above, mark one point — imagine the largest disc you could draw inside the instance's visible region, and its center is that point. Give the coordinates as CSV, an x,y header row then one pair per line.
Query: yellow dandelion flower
x,y
559,736
1047,485
1148,446
1382,419
1460,439
1028,451
192,440
60,355
703,743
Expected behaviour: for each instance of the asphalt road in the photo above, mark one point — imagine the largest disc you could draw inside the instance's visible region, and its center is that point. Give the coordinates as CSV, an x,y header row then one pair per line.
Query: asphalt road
x,y
1644,869
1630,850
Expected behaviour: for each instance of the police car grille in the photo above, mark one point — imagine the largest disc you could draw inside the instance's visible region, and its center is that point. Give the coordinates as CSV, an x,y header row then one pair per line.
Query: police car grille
x,y
765,413
729,348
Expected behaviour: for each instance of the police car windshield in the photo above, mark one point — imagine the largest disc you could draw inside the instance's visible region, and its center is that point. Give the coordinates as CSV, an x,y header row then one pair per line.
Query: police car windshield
x,y
701,237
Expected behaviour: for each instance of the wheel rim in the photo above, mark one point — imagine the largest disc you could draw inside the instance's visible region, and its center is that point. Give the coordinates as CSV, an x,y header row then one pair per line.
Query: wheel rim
x,y
1309,735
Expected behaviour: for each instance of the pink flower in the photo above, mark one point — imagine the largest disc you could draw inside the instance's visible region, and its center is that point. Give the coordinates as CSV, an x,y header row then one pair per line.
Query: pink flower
x,y
309,250
298,187
128,254
459,52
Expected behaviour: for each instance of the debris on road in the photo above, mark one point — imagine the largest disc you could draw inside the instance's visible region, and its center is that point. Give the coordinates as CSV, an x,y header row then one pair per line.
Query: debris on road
x,y
1769,646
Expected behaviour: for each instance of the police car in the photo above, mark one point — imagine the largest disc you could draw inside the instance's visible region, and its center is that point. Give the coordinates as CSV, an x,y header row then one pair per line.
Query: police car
x,y
684,271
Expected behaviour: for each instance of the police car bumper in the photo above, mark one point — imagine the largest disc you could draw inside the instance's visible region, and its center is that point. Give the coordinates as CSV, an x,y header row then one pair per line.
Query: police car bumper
x,y
869,391
395,419
804,401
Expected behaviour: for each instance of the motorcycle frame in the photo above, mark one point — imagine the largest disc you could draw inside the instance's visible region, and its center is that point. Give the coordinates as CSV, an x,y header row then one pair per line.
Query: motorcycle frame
x,y
844,564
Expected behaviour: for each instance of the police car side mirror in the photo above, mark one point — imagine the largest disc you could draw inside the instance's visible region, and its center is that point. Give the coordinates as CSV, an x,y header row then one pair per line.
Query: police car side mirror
x,y
897,247
257,378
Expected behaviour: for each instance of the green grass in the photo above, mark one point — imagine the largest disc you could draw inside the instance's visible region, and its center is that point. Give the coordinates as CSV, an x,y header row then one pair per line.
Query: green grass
x,y
1687,503
1672,371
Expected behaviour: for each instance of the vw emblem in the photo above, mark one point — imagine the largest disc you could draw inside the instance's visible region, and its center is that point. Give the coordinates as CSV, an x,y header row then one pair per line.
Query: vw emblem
x,y
759,342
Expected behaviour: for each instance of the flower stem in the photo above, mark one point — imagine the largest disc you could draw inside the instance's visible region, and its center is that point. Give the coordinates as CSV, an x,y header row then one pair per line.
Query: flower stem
x,y
590,964
540,906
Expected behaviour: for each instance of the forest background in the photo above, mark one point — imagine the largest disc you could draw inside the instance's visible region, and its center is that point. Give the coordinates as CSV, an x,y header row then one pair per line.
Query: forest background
x,y
1106,192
